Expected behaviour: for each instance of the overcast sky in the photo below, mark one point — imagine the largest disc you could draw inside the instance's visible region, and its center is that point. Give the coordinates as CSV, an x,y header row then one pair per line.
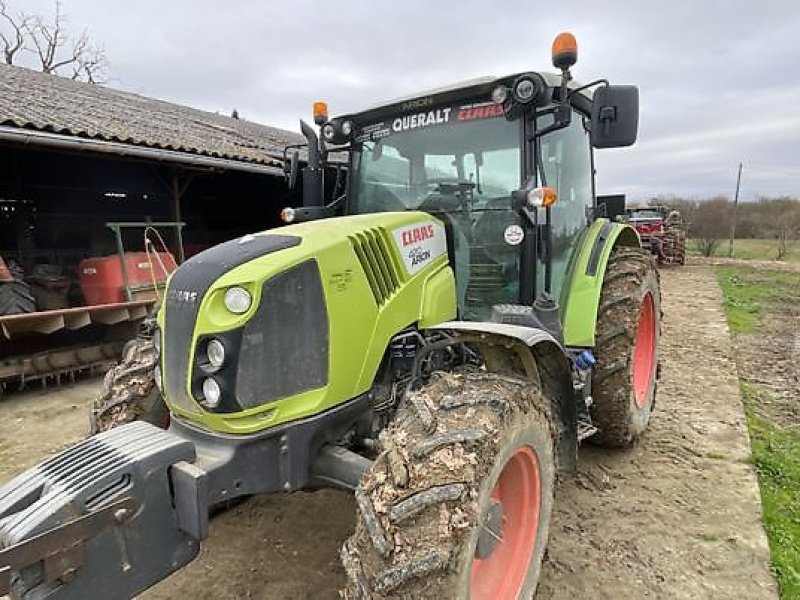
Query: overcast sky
x,y
719,80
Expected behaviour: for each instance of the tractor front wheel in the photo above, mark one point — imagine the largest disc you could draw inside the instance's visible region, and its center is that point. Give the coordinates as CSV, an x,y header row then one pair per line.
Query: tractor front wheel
x,y
458,503
129,390
628,329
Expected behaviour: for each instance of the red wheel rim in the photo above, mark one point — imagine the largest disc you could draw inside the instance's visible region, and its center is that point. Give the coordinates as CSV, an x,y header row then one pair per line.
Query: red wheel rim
x,y
644,352
519,491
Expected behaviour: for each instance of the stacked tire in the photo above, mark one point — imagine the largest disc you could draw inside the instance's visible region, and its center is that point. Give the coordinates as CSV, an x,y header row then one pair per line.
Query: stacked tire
x,y
16,297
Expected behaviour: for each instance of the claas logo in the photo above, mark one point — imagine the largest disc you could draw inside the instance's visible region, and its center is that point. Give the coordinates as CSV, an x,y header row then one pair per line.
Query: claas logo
x,y
480,112
417,234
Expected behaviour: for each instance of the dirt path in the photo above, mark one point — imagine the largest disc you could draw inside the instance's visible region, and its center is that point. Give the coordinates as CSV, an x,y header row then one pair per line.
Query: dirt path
x,y
676,517
37,423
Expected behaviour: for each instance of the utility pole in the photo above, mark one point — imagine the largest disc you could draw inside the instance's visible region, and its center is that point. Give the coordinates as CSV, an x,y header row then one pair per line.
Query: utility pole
x,y
734,210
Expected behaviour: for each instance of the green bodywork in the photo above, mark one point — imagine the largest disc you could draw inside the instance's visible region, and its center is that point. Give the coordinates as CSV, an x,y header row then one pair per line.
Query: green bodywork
x,y
363,314
580,294
360,328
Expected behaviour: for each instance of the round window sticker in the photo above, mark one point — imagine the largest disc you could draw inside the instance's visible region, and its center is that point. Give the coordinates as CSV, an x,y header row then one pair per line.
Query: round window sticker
x,y
514,235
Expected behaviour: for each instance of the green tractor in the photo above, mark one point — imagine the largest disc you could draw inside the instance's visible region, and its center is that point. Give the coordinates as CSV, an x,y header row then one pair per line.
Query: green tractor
x,y
441,350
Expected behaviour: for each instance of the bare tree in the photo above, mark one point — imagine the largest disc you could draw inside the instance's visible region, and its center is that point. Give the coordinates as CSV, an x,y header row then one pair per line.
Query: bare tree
x,y
48,40
709,224
781,220
13,32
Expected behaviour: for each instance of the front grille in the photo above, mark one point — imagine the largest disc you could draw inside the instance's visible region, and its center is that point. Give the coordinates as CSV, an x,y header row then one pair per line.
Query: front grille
x,y
376,260
284,348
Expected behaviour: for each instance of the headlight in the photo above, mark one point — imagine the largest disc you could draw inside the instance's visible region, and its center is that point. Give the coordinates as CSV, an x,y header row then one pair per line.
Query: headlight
x,y
157,377
215,353
212,393
238,300
157,342
328,131
347,128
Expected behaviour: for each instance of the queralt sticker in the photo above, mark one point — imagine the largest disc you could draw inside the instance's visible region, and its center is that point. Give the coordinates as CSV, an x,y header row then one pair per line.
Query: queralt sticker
x,y
514,235
420,244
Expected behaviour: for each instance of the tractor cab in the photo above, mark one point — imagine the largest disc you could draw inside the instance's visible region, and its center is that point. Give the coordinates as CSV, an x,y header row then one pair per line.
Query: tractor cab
x,y
462,161
505,163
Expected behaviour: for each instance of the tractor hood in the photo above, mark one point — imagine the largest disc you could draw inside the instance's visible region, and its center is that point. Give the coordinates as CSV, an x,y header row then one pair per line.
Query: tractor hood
x,y
313,310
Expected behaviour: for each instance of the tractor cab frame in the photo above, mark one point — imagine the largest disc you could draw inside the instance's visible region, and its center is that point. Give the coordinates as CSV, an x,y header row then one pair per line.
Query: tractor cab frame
x,y
506,163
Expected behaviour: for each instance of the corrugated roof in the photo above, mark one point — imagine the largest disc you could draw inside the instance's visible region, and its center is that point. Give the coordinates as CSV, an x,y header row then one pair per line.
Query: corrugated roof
x,y
34,100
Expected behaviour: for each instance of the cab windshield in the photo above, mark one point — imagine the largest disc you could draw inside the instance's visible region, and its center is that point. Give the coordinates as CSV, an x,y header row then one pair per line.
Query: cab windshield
x,y
462,157
459,163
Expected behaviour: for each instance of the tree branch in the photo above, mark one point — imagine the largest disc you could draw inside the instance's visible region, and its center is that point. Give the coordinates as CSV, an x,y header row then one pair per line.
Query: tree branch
x,y
86,61
15,40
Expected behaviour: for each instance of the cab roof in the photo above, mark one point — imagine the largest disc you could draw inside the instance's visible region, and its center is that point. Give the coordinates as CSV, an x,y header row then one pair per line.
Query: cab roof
x,y
470,88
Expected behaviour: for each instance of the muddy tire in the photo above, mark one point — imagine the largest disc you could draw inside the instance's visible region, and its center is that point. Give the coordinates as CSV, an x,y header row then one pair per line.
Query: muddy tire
x,y
457,505
129,390
16,297
624,379
674,247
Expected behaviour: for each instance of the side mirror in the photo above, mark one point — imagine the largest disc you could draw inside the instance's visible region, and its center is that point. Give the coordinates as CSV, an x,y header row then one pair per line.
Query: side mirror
x,y
290,169
615,116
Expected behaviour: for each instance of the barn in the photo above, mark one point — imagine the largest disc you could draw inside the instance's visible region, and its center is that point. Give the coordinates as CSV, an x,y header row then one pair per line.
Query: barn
x,y
82,162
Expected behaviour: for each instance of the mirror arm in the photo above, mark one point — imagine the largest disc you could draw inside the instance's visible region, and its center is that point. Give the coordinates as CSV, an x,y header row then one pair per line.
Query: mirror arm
x,y
562,114
591,84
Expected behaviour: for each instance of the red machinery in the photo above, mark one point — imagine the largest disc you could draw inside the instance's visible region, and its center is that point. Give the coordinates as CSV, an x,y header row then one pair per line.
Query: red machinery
x,y
662,232
102,279
119,292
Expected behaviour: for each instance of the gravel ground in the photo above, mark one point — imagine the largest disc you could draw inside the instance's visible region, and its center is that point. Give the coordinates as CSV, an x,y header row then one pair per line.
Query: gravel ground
x,y
677,516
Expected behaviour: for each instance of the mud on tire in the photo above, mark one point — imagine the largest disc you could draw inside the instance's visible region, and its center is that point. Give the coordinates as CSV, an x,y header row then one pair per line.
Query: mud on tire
x,y
129,390
618,411
420,506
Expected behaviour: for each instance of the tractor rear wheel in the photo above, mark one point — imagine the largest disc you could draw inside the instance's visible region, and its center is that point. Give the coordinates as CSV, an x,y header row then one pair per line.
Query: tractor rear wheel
x,y
624,379
458,503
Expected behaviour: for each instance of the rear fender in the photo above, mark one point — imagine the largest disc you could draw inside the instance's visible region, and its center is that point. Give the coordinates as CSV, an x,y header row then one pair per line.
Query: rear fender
x,y
535,355
581,292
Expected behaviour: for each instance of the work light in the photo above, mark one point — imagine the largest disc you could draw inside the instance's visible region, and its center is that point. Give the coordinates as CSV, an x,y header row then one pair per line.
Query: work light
x,y
499,94
524,90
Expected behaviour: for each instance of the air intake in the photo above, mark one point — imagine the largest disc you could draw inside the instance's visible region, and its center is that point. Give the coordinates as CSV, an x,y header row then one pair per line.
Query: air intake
x,y
376,260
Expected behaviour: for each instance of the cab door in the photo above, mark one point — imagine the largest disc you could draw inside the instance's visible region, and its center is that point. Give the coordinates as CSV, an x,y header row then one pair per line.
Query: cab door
x,y
566,160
